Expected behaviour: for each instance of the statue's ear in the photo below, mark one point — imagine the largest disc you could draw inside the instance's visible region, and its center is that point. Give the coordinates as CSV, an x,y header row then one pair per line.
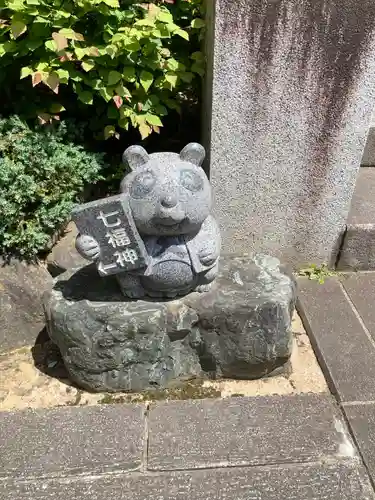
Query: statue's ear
x,y
194,153
135,156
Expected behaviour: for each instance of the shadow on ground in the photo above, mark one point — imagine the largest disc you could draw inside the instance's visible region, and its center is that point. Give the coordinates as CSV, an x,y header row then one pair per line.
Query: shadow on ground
x,y
47,358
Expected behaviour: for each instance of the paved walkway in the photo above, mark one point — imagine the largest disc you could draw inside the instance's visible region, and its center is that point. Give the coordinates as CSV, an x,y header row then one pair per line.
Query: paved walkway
x,y
265,448
339,317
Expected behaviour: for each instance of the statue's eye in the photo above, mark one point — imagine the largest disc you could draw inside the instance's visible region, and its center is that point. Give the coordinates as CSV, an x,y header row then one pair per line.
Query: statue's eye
x,y
142,185
191,180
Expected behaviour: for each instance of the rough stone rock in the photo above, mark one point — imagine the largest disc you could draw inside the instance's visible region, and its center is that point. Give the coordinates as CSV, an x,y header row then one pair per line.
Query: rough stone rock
x,y
63,255
21,314
240,328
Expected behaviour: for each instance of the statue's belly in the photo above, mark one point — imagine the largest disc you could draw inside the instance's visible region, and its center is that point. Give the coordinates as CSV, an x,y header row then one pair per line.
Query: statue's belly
x,y
170,275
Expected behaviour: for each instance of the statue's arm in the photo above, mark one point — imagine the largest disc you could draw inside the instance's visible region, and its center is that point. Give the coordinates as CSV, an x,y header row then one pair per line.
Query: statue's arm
x,y
209,242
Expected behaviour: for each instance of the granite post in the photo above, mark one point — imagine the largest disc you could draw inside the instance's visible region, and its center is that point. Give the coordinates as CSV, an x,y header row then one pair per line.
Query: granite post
x,y
289,94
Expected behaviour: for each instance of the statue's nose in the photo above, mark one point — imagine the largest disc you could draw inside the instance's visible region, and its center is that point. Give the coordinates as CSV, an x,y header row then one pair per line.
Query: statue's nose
x,y
169,201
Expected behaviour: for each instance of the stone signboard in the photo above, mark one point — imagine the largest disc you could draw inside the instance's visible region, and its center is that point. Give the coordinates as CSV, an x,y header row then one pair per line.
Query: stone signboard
x,y
109,221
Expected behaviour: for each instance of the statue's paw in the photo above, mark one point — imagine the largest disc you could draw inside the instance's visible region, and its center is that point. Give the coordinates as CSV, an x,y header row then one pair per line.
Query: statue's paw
x,y
135,293
88,247
155,294
207,257
204,288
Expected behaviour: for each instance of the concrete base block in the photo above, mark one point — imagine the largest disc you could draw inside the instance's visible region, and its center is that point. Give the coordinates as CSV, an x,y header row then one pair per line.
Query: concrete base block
x,y
358,248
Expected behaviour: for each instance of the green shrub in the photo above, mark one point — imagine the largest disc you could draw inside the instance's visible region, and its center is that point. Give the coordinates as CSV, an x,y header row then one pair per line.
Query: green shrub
x,y
130,62
41,176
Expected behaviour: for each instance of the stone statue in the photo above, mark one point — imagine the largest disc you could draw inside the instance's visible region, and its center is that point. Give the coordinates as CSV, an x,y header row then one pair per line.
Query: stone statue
x,y
169,199
158,238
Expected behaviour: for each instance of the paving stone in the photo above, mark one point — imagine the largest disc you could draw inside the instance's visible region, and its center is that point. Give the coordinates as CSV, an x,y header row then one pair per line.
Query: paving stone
x,y
343,349
243,431
42,442
362,422
361,290
339,481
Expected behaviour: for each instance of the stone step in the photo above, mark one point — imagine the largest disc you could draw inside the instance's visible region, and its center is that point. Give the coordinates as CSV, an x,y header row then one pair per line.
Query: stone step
x,y
358,246
336,481
368,158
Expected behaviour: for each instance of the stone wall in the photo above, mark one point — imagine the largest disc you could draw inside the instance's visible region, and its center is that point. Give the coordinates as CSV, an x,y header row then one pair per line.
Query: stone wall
x,y
289,91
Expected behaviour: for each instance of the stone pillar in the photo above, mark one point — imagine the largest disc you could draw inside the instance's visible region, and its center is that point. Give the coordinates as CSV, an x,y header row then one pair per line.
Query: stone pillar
x,y
289,93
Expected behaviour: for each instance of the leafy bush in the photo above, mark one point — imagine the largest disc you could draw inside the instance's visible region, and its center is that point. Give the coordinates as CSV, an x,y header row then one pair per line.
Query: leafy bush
x,y
131,62
41,176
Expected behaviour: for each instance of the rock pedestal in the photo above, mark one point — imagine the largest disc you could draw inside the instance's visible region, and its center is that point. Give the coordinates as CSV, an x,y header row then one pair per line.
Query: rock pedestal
x,y
241,328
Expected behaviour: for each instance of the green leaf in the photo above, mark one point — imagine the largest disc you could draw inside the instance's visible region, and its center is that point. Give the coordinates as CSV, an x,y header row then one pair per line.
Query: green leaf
x,y
145,22
80,53
161,110
50,45
197,68
172,64
111,50
109,131
86,97
197,23
71,34
95,83
88,65
114,77
52,81
42,66
18,28
132,46
125,112
128,73
197,56
146,79
183,34
123,123
63,75
112,113
112,3
33,44
26,71
171,78
123,92
165,17
172,104
145,130
10,46
186,76
106,93
153,120
56,108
